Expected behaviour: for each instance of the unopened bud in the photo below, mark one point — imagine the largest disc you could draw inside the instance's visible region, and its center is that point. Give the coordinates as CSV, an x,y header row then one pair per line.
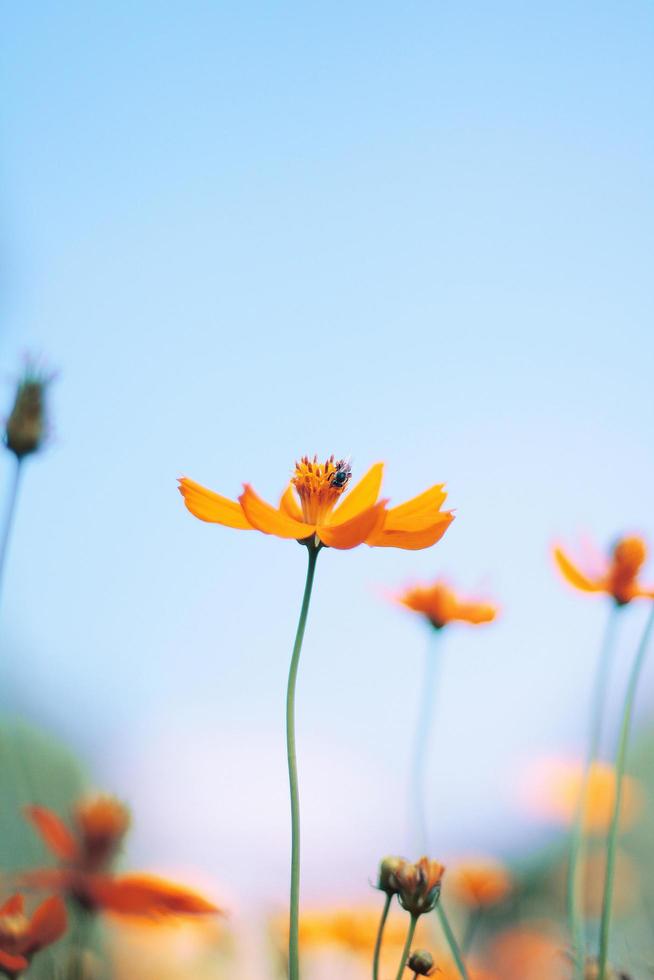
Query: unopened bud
x,y
419,885
25,430
421,962
388,869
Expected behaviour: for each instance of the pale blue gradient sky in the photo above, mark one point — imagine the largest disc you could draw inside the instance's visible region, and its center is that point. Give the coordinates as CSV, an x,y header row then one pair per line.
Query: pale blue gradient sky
x,y
421,233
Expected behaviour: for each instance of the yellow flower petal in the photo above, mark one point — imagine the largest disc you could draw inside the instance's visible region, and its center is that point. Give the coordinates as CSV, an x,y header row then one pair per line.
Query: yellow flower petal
x,y
361,497
269,520
355,531
211,507
411,540
572,574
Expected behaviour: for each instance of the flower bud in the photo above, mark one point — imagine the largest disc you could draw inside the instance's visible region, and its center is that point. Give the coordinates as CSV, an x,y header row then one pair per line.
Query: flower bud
x,y
419,885
25,430
387,870
421,962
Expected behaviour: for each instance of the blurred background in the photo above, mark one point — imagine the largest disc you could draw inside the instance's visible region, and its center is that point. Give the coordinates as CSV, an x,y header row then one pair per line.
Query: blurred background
x,y
241,233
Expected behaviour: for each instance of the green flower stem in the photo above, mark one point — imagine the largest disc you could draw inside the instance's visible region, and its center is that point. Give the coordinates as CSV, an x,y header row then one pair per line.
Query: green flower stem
x,y
293,938
621,758
576,860
421,743
407,946
9,515
451,941
380,936
471,929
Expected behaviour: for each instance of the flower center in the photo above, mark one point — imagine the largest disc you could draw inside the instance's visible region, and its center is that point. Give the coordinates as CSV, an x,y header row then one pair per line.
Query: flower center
x,y
319,485
12,929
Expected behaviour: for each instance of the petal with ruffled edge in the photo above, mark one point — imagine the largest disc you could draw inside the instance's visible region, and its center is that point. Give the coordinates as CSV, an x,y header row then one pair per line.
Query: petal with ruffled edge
x,y
355,531
48,924
419,513
411,540
575,577
289,504
211,507
146,895
12,964
269,520
13,906
54,832
361,497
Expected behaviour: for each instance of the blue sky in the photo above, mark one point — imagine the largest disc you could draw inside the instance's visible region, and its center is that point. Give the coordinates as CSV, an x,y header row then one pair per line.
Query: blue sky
x,y
417,233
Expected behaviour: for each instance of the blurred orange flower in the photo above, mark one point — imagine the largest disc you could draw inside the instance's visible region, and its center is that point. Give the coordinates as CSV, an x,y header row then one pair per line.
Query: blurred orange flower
x,y
616,575
22,937
555,786
480,882
307,511
529,953
100,825
441,605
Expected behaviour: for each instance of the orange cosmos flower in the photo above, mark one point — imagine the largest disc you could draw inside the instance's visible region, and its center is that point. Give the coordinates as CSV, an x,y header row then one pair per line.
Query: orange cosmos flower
x,y
311,509
22,937
616,576
481,882
419,885
85,855
440,605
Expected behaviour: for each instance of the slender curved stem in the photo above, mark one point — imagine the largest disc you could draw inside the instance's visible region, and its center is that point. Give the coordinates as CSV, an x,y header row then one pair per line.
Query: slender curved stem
x,y
450,938
9,515
421,740
621,758
576,858
472,925
407,947
380,937
293,938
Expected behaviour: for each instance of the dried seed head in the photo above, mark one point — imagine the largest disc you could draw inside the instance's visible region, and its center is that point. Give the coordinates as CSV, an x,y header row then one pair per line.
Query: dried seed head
x,y
26,426
421,962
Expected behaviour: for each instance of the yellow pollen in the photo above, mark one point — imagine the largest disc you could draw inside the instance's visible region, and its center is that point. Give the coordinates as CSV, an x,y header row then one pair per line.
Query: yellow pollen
x,y
319,485
13,927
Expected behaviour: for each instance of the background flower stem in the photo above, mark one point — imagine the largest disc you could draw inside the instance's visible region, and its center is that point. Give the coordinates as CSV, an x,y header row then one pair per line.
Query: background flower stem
x,y
576,860
417,796
621,758
293,938
380,936
451,941
407,947
9,515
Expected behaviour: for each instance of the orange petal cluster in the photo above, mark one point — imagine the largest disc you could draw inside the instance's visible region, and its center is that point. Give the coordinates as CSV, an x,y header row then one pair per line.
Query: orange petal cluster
x,y
84,876
311,509
440,605
419,885
21,937
615,575
481,882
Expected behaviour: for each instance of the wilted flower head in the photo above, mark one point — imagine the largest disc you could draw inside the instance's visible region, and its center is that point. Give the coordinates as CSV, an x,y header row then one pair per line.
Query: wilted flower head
x,y
615,575
421,962
440,605
26,426
387,882
419,885
22,937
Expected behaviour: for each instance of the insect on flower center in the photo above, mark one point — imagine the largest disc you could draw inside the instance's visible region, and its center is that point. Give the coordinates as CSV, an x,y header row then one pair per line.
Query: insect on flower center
x,y
319,485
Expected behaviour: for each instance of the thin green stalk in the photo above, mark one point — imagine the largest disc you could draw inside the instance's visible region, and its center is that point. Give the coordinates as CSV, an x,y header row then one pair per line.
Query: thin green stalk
x,y
293,938
471,929
421,744
575,896
380,937
9,515
621,758
407,947
457,956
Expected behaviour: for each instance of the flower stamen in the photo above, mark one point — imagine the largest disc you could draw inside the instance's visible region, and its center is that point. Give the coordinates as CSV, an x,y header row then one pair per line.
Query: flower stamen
x,y
319,485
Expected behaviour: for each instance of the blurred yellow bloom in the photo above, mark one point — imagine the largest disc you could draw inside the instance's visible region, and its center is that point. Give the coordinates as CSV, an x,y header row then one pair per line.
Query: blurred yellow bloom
x,y
480,882
616,575
440,605
554,787
529,953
